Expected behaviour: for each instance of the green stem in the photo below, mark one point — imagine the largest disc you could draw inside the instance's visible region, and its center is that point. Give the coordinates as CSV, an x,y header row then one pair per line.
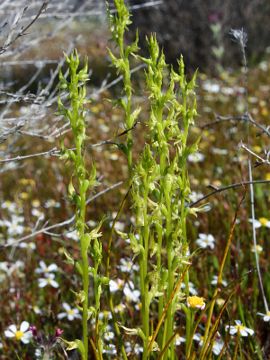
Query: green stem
x,y
160,285
169,354
85,274
144,276
236,346
188,331
219,282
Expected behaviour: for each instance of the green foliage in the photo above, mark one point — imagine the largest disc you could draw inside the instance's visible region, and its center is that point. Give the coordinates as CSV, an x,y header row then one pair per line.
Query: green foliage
x,y
160,192
118,26
81,183
159,183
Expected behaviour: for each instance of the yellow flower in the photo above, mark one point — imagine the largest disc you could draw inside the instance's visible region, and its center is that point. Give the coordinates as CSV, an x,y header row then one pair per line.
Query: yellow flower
x,y
264,221
258,249
195,302
220,302
19,334
24,196
25,182
257,148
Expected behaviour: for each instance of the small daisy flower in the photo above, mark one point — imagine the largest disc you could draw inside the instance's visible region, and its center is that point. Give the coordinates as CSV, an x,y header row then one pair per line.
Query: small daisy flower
x,y
215,281
27,245
116,285
179,340
37,310
120,308
35,203
194,196
126,265
37,213
51,203
11,206
14,268
138,349
105,315
220,302
72,235
108,334
266,317
195,158
38,353
205,241
239,329
4,266
70,313
48,280
22,334
128,347
14,228
131,294
218,151
262,222
195,302
217,346
109,349
258,249
211,87
46,270
199,338
191,288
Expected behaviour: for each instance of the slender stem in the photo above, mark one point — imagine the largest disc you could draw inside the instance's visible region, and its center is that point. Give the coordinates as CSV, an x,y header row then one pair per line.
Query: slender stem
x,y
225,188
254,237
159,271
236,346
107,271
219,281
241,38
144,278
188,332
85,265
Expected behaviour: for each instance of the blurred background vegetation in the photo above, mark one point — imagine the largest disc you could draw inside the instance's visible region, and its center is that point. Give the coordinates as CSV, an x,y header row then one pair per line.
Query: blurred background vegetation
x,y
29,125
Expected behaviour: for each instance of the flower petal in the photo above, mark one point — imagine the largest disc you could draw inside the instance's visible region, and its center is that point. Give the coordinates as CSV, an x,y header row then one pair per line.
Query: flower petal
x,y
66,306
12,328
243,332
24,326
250,331
53,267
42,265
26,337
61,315
54,284
42,283
9,334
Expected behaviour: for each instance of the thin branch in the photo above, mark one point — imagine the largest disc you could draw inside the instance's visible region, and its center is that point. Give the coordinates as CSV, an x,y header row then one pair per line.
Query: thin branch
x,y
232,186
52,152
261,160
241,37
246,117
38,63
65,15
24,29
